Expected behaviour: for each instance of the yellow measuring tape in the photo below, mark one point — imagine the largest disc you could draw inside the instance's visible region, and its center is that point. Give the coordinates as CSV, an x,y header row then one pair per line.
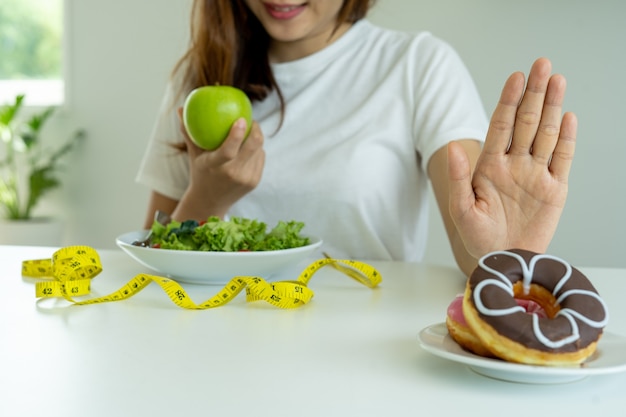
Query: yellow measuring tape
x,y
69,272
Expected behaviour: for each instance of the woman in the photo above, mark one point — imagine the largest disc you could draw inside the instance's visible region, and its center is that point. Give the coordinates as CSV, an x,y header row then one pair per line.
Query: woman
x,y
351,121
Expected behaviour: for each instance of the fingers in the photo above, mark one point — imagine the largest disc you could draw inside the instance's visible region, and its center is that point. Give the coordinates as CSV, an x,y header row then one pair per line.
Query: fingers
x,y
459,171
547,132
529,122
238,145
563,154
503,119
530,111
230,147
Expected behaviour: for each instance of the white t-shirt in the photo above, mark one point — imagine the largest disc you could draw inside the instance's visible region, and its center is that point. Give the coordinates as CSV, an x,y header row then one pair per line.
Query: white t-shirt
x,y
363,117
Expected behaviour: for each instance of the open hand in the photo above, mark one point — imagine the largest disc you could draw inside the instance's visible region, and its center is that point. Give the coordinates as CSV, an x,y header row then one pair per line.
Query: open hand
x,y
515,197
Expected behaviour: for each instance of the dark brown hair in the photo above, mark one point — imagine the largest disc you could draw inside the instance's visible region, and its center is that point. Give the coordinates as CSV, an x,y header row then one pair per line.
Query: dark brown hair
x,y
229,46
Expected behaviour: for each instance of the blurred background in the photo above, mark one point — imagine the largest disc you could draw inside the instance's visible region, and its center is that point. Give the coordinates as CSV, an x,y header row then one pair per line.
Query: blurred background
x,y
118,55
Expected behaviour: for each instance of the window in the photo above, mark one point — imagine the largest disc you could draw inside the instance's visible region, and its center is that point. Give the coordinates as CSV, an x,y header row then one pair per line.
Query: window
x,y
31,51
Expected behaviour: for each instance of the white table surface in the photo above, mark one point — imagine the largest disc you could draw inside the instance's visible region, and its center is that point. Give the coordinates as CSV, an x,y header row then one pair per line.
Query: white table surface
x,y
351,351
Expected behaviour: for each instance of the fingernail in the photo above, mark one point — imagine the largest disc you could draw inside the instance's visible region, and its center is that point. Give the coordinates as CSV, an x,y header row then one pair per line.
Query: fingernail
x,y
240,123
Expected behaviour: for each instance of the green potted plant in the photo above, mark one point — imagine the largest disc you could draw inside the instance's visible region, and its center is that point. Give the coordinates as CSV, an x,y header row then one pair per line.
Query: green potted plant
x,y
28,168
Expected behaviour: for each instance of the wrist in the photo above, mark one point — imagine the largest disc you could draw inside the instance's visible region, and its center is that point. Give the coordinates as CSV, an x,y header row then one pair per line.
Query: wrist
x,y
193,206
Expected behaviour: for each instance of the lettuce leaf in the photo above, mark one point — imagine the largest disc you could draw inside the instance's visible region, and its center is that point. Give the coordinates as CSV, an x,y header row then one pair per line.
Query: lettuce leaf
x,y
236,234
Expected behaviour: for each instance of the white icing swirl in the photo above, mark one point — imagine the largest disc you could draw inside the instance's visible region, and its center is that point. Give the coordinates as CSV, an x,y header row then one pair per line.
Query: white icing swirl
x,y
527,272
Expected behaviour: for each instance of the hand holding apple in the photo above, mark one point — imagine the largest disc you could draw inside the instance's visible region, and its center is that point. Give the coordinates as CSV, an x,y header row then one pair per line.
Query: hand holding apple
x,y
210,111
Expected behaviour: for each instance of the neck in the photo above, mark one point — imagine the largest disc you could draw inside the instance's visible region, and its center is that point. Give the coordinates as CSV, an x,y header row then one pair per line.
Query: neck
x,y
285,51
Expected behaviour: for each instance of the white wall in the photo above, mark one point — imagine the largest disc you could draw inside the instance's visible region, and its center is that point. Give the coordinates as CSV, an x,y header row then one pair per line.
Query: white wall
x,y
120,55
585,41
122,50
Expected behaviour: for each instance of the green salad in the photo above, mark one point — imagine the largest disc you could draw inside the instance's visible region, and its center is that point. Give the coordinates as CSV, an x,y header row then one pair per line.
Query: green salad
x,y
234,235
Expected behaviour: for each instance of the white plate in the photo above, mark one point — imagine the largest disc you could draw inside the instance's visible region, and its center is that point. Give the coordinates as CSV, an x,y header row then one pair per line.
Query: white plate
x,y
198,267
610,357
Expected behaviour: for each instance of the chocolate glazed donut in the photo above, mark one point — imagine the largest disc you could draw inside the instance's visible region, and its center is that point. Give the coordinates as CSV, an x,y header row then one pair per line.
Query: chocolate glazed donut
x,y
576,313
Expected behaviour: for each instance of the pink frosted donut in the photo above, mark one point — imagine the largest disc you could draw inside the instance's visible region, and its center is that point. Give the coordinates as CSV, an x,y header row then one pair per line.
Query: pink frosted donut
x,y
461,333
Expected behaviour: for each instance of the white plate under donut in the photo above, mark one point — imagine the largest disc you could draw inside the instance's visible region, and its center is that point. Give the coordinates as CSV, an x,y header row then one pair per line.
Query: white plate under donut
x,y
610,357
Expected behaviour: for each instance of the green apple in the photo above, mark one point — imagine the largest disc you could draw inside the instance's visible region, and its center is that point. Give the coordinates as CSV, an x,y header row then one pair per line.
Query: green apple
x,y
210,111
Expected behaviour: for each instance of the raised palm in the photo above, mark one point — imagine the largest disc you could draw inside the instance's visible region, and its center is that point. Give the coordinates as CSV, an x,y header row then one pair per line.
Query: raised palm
x,y
517,192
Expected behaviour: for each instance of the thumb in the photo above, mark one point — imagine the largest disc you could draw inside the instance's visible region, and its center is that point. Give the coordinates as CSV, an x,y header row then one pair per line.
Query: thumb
x,y
461,192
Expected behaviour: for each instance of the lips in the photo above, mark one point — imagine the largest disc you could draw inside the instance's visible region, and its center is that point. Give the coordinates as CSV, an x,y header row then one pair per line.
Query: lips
x,y
284,11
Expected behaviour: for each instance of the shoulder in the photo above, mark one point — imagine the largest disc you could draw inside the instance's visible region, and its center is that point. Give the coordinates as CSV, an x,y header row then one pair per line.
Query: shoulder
x,y
418,47
419,55
374,34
